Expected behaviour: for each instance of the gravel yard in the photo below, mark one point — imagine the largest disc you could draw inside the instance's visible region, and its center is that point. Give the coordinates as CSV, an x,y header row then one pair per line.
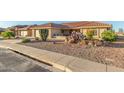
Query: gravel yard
x,y
111,55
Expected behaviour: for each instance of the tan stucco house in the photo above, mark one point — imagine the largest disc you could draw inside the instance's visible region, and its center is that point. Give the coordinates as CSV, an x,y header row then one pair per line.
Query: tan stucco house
x,y
1,30
59,31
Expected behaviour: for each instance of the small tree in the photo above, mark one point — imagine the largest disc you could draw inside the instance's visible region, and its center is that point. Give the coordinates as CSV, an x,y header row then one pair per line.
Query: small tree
x,y
44,34
25,40
109,36
89,34
7,34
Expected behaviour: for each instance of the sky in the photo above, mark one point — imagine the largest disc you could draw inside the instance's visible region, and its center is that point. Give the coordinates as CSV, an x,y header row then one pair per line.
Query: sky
x,y
116,24
4,24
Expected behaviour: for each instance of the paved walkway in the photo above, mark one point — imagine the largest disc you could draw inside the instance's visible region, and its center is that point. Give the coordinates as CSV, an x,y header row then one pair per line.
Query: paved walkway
x,y
60,61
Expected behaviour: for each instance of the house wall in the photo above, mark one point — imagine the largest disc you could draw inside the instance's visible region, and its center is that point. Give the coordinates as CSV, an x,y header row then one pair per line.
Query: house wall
x,y
18,33
33,33
54,32
99,31
50,34
30,33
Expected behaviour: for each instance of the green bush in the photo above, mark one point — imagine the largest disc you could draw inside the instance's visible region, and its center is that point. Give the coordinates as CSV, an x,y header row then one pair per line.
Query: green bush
x,y
7,34
89,34
44,34
109,36
25,40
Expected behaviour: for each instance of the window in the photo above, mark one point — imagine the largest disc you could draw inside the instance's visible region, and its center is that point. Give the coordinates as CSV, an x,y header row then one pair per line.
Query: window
x,y
54,34
94,31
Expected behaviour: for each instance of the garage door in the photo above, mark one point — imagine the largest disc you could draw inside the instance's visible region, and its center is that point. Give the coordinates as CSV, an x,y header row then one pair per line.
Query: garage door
x,y
24,33
37,33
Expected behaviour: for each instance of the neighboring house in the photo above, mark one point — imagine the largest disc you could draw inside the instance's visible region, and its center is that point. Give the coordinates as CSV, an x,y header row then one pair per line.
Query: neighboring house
x,y
16,28
2,30
59,31
24,31
120,33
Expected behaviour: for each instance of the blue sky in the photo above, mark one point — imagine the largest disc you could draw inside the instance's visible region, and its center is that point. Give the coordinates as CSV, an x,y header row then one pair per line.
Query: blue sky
x,y
12,23
116,24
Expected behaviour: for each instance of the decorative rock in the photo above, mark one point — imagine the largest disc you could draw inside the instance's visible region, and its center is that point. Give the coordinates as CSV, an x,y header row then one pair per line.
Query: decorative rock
x,y
106,43
98,43
91,43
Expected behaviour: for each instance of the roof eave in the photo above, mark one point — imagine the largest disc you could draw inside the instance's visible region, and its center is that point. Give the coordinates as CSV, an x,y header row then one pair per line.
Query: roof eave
x,y
110,26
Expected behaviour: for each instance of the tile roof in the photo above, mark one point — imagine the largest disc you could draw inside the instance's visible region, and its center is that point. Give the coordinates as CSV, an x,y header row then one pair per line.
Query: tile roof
x,y
25,28
50,25
85,23
70,25
75,24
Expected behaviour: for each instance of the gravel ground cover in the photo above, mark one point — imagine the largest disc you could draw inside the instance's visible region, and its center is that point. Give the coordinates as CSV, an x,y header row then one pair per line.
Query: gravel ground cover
x,y
111,55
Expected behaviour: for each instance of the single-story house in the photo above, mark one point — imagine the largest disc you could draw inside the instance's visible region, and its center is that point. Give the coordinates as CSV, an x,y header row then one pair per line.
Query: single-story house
x,y
2,30
59,31
120,33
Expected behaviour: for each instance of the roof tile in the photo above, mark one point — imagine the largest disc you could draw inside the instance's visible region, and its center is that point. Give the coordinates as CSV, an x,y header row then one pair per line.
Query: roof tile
x,y
69,25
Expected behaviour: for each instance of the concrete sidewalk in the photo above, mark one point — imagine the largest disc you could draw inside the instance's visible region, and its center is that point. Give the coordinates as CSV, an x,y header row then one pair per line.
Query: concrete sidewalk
x,y
60,61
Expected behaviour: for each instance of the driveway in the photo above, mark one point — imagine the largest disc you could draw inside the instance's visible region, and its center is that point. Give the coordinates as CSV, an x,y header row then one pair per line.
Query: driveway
x,y
11,40
13,62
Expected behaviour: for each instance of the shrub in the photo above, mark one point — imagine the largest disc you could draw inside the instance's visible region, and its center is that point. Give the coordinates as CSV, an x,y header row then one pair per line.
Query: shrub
x,y
109,36
25,40
89,34
44,34
7,34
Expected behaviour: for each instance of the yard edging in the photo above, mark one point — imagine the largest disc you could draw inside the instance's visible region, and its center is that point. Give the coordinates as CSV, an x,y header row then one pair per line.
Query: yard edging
x,y
61,61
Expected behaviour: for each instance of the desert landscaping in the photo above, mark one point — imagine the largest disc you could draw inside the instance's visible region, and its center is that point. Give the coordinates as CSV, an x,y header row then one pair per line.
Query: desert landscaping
x,y
112,54
108,51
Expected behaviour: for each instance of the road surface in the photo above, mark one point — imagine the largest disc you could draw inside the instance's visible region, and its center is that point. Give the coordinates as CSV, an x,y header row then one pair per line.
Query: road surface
x,y
13,62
